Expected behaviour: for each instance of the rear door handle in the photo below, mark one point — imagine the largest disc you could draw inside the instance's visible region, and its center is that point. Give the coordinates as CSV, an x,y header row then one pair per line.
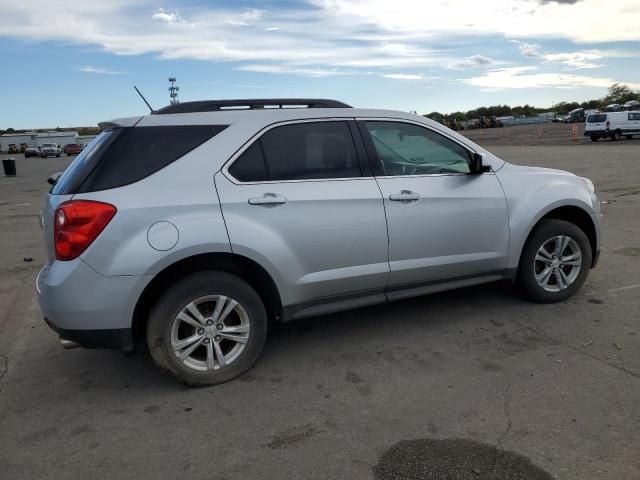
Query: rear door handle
x,y
268,199
405,196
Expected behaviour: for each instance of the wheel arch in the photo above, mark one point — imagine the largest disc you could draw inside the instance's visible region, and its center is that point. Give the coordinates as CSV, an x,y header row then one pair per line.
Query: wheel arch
x,y
247,269
573,214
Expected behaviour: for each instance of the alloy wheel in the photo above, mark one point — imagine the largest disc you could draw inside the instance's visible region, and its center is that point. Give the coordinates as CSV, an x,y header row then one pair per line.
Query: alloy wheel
x,y
557,263
210,332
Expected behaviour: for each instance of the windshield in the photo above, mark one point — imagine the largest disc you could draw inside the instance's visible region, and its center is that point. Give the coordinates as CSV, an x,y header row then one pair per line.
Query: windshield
x,y
68,176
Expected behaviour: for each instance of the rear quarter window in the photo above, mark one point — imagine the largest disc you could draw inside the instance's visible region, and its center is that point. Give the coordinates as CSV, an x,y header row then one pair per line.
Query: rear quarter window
x,y
123,156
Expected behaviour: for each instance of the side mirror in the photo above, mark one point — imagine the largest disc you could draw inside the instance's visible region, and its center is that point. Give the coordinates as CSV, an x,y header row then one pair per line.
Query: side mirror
x,y
54,178
479,164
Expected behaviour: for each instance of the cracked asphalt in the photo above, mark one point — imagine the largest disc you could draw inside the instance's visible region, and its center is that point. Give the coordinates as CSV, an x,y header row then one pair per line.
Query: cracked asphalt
x,y
457,383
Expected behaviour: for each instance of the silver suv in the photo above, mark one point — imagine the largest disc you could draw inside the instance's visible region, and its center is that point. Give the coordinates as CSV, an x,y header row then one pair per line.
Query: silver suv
x,y
198,225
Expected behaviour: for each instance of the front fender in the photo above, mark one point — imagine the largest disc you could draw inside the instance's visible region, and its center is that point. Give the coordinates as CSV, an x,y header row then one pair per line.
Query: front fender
x,y
534,193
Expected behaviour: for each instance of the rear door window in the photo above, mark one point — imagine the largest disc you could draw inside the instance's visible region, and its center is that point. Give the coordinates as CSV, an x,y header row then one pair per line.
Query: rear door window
x,y
596,118
301,151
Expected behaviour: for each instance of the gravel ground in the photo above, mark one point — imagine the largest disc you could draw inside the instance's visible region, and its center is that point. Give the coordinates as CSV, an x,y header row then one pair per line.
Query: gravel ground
x,y
476,383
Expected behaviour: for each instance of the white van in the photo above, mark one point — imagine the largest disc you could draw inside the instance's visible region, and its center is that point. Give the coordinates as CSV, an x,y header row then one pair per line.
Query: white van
x,y
613,125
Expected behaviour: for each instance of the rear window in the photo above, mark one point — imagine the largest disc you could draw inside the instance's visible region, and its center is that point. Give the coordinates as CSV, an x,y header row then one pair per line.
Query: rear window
x,y
596,118
123,156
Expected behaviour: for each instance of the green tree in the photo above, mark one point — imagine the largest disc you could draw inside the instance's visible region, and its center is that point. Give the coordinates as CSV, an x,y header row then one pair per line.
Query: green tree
x,y
620,93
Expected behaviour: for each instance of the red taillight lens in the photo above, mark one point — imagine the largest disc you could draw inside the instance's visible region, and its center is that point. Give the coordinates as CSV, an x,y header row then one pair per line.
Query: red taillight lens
x,y
77,224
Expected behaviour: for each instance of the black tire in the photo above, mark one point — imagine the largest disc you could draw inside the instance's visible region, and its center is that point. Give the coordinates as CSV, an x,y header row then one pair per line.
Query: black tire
x,y
615,136
628,137
176,298
58,156
544,231
594,138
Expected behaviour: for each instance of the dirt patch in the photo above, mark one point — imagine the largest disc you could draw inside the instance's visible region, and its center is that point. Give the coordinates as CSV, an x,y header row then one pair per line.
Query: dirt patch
x,y
292,437
454,459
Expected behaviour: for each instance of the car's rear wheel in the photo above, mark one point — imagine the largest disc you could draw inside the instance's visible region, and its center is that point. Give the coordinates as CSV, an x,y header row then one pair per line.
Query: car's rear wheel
x,y
207,329
594,138
555,261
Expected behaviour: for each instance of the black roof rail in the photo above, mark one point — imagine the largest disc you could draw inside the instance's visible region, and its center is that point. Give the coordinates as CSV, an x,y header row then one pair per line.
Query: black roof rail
x,y
216,105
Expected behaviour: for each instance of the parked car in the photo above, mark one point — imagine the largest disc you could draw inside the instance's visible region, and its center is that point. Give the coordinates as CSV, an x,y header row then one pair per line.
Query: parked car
x,y
575,116
614,107
632,105
72,149
613,125
193,231
50,150
32,152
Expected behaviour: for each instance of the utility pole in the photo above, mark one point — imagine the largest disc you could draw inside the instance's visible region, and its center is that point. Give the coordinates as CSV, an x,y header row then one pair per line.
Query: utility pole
x,y
173,91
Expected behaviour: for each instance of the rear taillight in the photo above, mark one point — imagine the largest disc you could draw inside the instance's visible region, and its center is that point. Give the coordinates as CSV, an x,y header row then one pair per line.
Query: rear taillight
x,y
77,223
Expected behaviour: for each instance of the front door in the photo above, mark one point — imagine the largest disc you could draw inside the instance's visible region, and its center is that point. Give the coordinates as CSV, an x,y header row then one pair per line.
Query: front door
x,y
444,222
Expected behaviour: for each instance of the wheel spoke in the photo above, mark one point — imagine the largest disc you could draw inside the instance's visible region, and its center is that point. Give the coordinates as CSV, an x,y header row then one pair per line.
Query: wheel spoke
x,y
543,255
188,319
564,283
193,310
234,338
573,259
219,355
564,241
210,356
542,258
186,342
543,277
188,351
222,300
230,307
561,278
235,329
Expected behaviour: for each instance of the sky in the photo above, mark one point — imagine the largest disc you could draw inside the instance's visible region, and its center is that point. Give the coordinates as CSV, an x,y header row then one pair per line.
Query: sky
x,y
75,63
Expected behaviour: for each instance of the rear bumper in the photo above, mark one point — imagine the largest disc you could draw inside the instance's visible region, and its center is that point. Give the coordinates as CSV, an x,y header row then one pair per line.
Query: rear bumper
x,y
88,308
597,133
114,338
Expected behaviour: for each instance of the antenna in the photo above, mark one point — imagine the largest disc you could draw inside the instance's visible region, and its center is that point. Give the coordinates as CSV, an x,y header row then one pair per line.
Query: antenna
x,y
143,99
173,91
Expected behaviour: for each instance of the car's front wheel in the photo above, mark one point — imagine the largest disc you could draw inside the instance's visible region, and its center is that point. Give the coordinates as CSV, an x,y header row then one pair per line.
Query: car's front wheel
x,y
207,329
555,261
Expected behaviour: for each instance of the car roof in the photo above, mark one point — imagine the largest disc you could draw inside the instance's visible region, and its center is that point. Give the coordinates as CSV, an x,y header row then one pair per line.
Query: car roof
x,y
258,116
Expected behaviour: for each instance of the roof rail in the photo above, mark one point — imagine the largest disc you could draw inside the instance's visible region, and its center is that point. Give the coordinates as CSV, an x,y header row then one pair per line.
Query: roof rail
x,y
216,105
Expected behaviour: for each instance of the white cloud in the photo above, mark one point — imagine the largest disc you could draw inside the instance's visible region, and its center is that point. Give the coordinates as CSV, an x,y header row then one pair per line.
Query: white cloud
x,y
575,59
403,76
291,70
473,61
98,70
166,16
330,37
531,50
523,77
246,18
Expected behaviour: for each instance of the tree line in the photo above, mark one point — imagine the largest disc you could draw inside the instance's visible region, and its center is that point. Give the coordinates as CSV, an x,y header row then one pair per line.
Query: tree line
x,y
617,93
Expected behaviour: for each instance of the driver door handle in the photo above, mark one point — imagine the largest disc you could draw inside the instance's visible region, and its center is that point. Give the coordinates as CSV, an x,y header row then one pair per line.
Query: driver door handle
x,y
268,199
405,196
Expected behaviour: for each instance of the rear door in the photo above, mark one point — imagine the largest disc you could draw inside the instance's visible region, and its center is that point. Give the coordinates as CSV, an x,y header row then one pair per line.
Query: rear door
x,y
298,201
596,122
445,224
